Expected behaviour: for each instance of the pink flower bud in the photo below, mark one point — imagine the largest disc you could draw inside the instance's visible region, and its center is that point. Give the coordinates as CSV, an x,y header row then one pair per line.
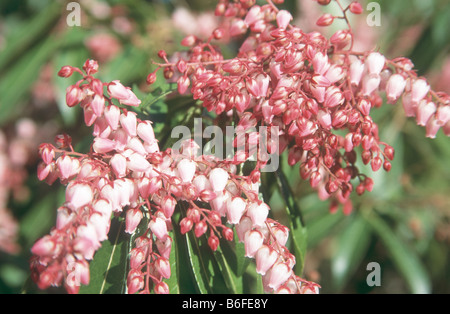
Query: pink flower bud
x,y
79,194
375,63
159,228
200,228
109,193
242,227
355,8
325,20
119,165
112,116
253,240
186,169
128,122
237,27
283,19
370,84
348,142
168,205
189,41
320,63
133,218
258,213
228,233
395,87
425,110
68,166
161,288
364,106
446,128
45,246
235,209
341,38
137,162
164,247
315,179
73,95
334,74
309,289
135,281
201,183
443,114
162,266
218,178
356,71
186,225
281,234
408,105
213,242
258,87
253,15
419,90
145,131
103,145
66,71
333,97
279,274
265,258
137,258
123,94
98,105
89,116
432,127
183,84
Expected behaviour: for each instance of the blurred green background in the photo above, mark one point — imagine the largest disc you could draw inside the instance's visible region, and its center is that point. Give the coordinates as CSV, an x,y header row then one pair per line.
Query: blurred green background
x,y
404,224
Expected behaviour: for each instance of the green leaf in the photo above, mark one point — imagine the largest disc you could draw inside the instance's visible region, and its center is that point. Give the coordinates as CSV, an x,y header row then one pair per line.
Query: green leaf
x,y
172,282
322,227
298,233
205,269
16,83
30,32
108,269
405,259
351,246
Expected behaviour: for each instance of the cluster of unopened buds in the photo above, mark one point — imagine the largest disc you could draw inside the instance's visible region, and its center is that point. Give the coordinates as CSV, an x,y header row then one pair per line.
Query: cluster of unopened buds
x,y
317,91
126,173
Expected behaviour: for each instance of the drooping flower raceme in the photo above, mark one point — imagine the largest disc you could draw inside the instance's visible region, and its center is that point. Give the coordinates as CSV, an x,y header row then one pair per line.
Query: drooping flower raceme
x,y
317,91
125,173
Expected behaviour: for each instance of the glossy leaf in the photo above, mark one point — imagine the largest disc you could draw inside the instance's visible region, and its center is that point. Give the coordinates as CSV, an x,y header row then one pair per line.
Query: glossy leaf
x,y
351,246
108,269
298,232
406,260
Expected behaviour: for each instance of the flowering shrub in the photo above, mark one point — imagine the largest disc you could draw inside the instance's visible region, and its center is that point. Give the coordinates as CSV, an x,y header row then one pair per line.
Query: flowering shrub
x,y
317,92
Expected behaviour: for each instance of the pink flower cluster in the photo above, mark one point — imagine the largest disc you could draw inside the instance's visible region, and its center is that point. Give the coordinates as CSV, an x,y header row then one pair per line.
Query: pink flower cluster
x,y
16,154
317,91
126,174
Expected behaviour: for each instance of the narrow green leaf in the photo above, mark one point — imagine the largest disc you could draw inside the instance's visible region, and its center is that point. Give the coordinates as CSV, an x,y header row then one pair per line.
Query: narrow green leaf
x,y
29,33
172,282
298,232
233,282
322,227
108,269
405,259
351,246
199,267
